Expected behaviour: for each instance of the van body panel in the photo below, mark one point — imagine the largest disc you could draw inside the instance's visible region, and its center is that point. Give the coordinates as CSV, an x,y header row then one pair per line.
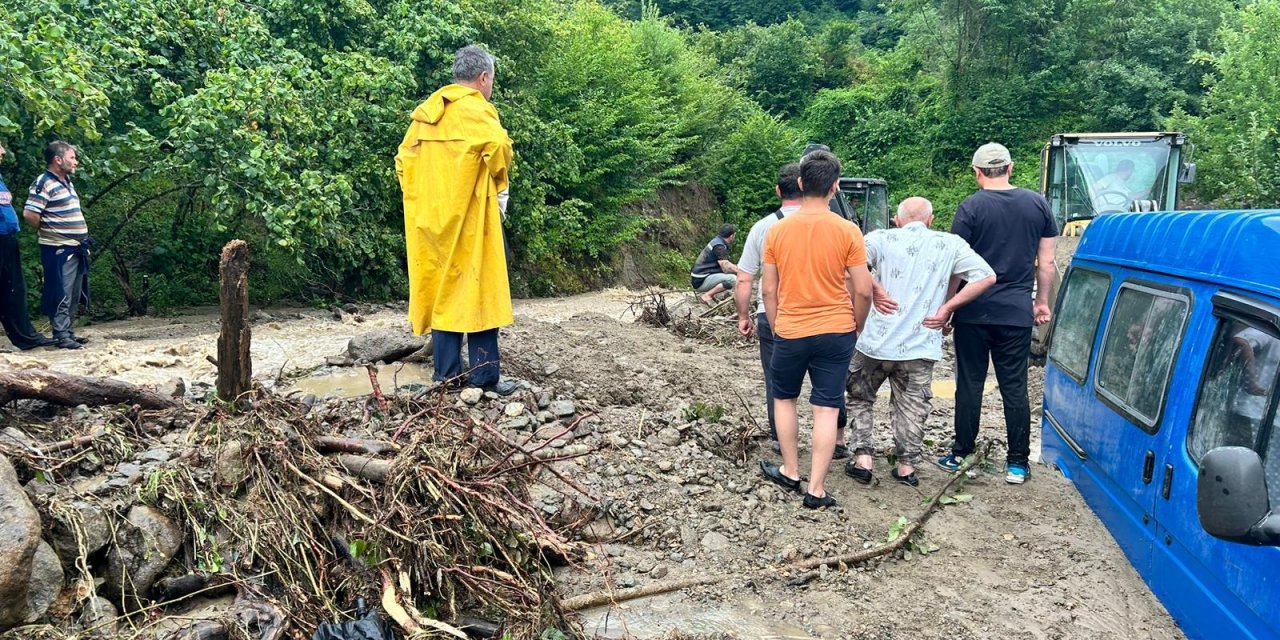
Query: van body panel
x,y
1213,588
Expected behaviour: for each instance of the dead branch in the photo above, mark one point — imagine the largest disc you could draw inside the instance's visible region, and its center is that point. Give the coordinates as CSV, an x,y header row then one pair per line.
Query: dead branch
x,y
338,444
377,388
70,390
716,308
367,468
578,603
843,561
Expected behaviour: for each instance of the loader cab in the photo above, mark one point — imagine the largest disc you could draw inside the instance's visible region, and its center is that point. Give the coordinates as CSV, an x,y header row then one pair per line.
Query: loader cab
x,y
1161,399
1085,175
865,202
862,201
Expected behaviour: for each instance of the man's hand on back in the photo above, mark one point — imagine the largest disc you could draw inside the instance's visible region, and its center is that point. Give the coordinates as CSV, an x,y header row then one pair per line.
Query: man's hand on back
x,y
884,303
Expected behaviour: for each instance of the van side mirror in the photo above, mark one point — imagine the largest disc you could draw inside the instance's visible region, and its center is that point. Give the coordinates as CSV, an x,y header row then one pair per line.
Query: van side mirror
x,y
1187,173
1231,498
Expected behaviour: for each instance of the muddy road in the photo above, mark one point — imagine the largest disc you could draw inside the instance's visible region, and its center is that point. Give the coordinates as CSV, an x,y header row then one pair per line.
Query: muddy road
x,y
1027,561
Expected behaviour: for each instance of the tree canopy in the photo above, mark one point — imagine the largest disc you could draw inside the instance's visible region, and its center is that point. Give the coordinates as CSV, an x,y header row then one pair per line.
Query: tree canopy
x,y
277,121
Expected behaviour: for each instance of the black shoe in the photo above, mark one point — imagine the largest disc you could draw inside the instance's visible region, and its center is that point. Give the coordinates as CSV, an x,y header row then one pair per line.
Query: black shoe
x,y
502,387
840,453
909,479
39,342
863,476
80,339
814,502
774,473
67,343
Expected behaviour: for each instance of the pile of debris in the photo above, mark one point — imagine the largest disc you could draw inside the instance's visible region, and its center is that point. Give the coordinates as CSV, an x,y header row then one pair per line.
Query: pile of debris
x,y
687,318
197,522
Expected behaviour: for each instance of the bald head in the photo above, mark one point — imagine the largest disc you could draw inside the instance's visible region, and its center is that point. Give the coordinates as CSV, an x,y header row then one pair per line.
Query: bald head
x,y
915,209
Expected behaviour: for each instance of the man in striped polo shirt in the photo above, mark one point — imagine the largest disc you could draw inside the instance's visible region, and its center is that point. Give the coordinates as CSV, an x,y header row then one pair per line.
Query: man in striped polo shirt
x,y
54,208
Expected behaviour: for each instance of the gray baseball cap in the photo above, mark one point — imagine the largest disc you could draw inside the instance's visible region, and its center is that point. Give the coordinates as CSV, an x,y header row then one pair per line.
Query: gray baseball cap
x,y
991,155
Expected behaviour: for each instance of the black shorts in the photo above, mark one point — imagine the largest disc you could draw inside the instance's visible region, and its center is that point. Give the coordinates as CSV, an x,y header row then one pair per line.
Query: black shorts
x,y
825,357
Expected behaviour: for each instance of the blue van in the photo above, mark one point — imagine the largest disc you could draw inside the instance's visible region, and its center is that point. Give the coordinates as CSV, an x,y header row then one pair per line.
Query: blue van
x,y
1160,405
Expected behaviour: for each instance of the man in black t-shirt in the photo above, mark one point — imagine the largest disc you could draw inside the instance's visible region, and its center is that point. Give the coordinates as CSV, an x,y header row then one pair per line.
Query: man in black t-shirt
x,y
713,272
1013,230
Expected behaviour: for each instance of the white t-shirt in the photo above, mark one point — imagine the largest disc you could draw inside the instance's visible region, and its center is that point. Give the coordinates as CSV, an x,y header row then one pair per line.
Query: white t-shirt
x,y
753,250
914,264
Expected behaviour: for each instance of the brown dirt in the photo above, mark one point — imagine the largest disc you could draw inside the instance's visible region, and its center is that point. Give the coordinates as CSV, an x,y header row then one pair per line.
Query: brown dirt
x,y
1015,561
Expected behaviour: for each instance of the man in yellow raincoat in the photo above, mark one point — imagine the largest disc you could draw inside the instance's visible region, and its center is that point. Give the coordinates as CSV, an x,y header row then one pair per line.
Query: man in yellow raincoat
x,y
453,167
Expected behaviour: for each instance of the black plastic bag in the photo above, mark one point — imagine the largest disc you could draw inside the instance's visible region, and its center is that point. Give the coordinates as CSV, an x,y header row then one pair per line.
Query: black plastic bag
x,y
370,626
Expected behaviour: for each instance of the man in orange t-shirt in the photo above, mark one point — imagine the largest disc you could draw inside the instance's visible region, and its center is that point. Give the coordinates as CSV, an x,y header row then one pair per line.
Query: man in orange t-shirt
x,y
817,292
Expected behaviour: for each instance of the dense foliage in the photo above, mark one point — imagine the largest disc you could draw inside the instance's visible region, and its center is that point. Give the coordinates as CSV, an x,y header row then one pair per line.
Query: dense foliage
x,y
276,121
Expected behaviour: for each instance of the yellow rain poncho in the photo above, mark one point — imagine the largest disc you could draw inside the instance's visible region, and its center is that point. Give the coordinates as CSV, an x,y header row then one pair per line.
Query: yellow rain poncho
x,y
452,165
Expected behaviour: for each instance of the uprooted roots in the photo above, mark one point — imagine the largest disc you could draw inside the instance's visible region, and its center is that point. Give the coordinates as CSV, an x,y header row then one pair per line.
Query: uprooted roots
x,y
708,325
440,505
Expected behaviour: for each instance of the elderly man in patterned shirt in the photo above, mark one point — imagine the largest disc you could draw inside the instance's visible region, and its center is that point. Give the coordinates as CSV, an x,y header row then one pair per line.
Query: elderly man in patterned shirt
x,y
921,270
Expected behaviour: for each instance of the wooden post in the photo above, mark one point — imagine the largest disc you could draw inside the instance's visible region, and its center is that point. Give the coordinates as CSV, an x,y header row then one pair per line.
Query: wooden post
x,y
235,367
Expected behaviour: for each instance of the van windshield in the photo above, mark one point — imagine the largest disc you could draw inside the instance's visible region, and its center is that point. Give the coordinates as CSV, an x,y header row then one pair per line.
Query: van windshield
x,y
1106,176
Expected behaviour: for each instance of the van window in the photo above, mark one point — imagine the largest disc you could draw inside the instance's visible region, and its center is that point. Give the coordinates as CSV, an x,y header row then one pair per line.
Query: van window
x,y
1072,344
1236,388
1236,393
1142,339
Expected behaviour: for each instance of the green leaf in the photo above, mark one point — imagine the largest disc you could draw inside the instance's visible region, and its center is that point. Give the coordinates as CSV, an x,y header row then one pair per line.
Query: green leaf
x,y
898,527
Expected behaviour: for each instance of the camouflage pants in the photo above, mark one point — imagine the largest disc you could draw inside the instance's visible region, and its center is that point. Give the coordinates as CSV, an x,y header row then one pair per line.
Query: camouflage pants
x,y
911,382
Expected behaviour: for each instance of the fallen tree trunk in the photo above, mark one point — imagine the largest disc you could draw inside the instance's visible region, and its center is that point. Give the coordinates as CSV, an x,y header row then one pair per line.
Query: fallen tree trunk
x,y
71,390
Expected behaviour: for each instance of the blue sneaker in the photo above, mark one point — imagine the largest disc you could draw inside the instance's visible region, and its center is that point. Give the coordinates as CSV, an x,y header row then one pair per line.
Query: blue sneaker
x,y
1017,474
950,462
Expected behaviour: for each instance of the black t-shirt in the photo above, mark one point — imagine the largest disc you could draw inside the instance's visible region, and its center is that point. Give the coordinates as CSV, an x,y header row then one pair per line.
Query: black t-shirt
x,y
1005,228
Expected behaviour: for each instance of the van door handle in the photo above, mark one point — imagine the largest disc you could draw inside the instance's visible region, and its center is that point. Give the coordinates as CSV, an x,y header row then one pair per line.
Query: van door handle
x,y
1149,467
1168,481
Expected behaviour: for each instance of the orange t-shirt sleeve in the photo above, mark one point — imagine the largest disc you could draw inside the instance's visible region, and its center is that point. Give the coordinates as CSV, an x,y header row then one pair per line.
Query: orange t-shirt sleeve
x,y
857,256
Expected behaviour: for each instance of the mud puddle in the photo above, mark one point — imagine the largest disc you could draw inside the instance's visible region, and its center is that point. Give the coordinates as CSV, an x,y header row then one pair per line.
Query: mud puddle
x,y
354,381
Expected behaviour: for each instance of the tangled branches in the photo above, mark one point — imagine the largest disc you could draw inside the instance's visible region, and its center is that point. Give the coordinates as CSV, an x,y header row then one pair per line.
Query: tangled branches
x,y
309,511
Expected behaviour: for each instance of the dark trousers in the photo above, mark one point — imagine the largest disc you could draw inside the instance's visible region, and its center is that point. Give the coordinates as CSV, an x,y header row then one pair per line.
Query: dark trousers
x,y
767,341
482,356
13,297
63,318
1008,348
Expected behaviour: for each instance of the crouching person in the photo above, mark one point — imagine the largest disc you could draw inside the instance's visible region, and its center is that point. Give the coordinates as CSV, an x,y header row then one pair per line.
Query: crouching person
x,y
919,268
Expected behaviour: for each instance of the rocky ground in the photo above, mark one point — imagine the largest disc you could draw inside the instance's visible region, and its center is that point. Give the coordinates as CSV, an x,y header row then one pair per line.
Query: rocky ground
x,y
658,428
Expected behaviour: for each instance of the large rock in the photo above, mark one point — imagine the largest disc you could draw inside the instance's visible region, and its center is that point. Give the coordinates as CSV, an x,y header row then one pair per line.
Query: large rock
x,y
19,538
144,546
45,583
98,618
79,523
386,345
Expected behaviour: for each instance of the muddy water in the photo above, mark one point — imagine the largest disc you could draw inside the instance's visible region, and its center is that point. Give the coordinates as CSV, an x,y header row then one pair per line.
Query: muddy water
x,y
354,381
657,616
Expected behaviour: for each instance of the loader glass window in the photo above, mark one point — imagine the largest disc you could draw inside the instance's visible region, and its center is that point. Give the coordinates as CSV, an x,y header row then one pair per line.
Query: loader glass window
x,y
1142,339
877,211
1106,176
1077,322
